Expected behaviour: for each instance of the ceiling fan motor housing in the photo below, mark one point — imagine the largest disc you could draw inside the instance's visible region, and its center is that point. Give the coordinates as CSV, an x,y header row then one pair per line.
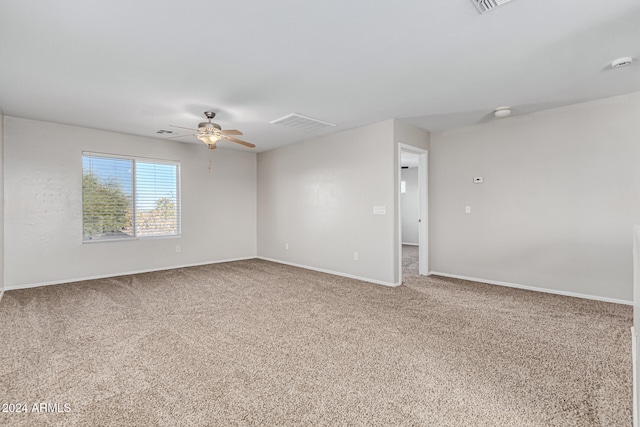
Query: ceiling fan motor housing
x,y
207,127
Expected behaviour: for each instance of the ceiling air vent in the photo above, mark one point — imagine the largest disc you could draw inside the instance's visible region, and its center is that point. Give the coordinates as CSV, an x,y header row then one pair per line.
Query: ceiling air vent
x,y
485,6
303,123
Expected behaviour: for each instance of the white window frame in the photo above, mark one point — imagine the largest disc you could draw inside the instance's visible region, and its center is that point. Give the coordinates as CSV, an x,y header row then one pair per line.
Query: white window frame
x,y
134,160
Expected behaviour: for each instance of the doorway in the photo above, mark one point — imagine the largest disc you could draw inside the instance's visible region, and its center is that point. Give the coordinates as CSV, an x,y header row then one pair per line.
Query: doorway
x,y
412,211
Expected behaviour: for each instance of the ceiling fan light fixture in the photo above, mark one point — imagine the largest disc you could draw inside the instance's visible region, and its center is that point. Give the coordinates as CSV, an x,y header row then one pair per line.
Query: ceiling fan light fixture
x,y
209,139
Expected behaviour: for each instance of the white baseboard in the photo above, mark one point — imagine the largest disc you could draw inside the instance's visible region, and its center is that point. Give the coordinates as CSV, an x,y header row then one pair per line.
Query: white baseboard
x,y
410,244
1,295
335,273
124,273
533,288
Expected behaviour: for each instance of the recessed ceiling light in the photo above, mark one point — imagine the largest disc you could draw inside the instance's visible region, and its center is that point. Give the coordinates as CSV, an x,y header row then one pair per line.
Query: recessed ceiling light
x,y
502,111
622,62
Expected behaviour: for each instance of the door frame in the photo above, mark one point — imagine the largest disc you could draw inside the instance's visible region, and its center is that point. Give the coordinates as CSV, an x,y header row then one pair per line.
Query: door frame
x,y
423,195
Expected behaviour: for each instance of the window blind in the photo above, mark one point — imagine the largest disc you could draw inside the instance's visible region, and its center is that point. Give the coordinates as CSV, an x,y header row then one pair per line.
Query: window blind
x,y
129,198
157,205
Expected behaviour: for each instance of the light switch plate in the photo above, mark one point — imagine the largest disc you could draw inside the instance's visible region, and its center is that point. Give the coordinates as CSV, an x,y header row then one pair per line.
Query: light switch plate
x,y
379,210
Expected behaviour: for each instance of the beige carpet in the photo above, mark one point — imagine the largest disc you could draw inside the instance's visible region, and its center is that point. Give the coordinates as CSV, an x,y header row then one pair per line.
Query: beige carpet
x,y
257,343
409,260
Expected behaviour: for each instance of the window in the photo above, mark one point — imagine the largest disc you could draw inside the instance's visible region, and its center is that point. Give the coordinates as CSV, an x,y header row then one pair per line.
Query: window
x,y
124,198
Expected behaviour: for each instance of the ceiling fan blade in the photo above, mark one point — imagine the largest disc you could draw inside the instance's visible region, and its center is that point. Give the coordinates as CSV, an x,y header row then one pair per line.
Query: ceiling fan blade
x,y
180,127
230,132
239,141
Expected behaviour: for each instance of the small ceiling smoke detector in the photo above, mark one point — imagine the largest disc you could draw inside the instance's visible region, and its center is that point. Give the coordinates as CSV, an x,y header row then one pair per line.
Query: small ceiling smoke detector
x,y
502,112
622,62
303,123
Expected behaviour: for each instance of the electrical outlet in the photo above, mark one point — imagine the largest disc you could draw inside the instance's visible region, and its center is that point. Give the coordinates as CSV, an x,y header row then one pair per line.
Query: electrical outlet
x,y
177,249
467,209
286,246
355,256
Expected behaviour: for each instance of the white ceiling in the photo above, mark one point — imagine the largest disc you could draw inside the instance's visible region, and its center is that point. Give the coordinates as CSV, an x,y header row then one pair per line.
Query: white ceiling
x,y
139,66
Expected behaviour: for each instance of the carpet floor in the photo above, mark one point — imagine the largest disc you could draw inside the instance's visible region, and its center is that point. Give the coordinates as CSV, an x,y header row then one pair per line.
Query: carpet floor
x,y
258,343
409,260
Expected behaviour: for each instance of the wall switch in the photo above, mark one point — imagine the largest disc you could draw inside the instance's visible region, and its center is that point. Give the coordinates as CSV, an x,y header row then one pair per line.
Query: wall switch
x,y
478,180
355,256
286,246
467,209
177,248
379,210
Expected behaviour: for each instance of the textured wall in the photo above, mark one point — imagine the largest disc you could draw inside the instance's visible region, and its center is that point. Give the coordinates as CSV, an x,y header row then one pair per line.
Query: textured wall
x,y
318,196
1,202
43,216
561,193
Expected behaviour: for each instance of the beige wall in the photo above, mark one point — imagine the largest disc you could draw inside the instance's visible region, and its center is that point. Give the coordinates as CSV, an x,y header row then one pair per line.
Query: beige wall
x,y
1,204
561,193
43,215
318,196
407,135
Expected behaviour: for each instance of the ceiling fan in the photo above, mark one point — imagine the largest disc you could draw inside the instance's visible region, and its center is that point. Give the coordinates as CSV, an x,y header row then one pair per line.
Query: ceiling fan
x,y
210,133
